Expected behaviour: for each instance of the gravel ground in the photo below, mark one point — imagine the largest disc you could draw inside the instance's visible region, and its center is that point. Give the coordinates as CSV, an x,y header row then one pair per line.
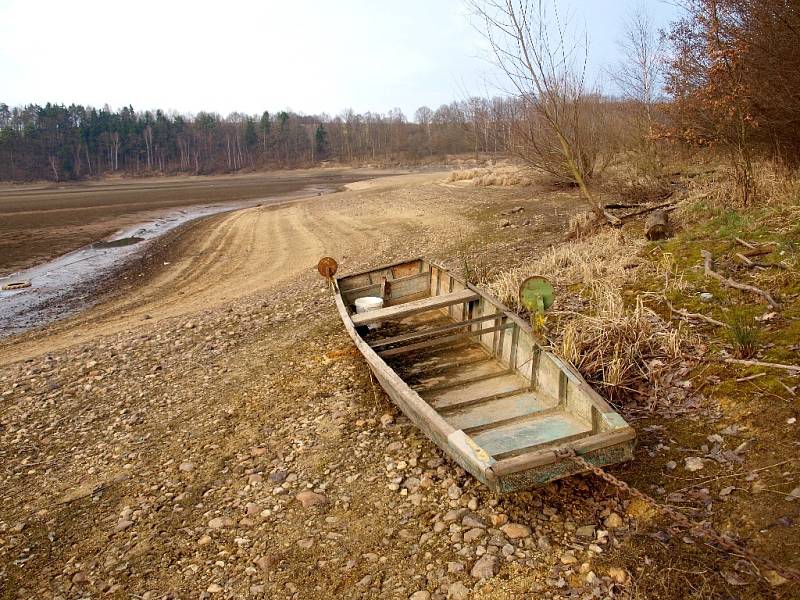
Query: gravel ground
x,y
240,449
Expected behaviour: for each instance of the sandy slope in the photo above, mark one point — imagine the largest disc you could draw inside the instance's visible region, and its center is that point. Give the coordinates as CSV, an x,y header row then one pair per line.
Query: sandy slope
x,y
237,254
163,456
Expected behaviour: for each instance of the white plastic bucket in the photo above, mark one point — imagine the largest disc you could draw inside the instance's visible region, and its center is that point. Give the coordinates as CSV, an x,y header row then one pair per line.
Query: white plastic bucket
x,y
368,303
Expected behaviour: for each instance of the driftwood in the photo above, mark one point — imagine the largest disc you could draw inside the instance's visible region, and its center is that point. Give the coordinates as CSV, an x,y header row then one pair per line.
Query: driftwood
x,y
708,262
665,205
682,312
656,227
759,363
758,265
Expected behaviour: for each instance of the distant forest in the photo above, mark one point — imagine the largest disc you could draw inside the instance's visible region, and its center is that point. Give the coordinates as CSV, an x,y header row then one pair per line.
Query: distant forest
x,y
58,142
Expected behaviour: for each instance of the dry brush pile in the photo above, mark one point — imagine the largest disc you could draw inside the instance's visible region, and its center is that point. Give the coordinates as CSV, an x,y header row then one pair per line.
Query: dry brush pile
x,y
619,345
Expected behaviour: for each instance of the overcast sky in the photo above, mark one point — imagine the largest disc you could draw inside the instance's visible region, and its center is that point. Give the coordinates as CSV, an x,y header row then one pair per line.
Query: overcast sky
x,y
310,56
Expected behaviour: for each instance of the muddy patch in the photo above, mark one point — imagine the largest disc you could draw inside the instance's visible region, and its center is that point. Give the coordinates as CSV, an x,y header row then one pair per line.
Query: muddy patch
x,y
119,243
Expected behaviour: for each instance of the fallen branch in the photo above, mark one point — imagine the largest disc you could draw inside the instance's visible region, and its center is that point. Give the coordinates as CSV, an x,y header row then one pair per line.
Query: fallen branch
x,y
751,377
745,244
758,265
710,272
759,363
690,315
636,213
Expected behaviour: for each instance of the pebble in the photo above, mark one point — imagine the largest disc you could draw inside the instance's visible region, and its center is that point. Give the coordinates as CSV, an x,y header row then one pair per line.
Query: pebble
x,y
308,499
420,595
516,531
471,520
486,567
618,575
454,492
277,476
613,521
499,520
455,567
586,531
453,515
474,534
568,559
220,522
186,466
214,588
693,463
265,563
123,524
457,591
387,419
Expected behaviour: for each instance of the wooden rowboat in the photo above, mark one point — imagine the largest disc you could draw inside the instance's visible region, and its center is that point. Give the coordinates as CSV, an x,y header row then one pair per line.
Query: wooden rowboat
x,y
470,374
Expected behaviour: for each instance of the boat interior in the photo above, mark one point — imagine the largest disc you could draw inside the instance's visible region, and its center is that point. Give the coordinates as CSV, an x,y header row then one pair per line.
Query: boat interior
x,y
472,360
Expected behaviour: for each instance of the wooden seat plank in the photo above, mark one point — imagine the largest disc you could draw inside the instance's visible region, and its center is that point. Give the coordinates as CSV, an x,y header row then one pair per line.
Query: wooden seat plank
x,y
416,306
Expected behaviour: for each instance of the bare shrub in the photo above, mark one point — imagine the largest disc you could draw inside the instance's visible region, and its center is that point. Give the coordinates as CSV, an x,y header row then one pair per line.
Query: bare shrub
x,y
733,77
557,128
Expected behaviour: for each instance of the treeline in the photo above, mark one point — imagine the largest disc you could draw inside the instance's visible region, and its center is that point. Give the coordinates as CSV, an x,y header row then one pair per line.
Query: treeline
x,y
60,142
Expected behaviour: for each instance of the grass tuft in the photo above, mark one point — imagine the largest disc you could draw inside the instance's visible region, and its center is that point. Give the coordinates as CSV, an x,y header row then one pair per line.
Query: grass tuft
x,y
743,334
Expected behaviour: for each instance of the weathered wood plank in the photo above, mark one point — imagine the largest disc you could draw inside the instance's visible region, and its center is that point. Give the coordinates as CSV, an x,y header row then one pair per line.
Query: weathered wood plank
x,y
459,374
409,308
477,391
467,379
440,340
496,410
399,339
535,431
399,284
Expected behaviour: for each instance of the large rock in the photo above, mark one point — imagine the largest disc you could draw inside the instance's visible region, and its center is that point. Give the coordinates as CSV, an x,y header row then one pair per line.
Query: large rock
x,y
486,567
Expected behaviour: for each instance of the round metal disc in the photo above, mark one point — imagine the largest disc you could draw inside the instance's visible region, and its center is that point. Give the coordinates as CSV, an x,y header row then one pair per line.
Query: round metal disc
x,y
533,288
327,267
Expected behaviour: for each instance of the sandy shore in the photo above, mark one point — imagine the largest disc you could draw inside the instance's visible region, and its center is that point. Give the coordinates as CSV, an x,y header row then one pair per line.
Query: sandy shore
x,y
157,445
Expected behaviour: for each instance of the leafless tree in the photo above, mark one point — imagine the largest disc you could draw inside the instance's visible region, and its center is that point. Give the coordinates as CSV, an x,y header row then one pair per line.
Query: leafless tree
x,y
546,71
639,71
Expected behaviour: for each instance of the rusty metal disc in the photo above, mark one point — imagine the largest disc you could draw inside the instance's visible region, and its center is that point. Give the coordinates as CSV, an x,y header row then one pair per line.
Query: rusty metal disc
x,y
327,267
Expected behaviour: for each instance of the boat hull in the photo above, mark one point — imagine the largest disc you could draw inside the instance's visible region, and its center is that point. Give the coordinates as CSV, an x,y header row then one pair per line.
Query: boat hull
x,y
475,381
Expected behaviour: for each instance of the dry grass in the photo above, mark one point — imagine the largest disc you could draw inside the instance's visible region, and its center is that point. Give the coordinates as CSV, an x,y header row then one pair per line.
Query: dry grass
x,y
608,256
621,348
772,186
466,174
501,176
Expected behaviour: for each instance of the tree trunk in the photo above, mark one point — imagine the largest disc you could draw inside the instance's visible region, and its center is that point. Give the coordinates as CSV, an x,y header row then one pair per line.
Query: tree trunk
x,y
656,227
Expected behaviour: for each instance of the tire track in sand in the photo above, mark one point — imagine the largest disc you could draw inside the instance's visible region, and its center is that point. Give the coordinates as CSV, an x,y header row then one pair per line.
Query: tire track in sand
x,y
220,259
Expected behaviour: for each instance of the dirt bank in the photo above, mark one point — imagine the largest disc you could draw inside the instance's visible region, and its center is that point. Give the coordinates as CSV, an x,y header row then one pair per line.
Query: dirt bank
x,y
39,222
158,442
